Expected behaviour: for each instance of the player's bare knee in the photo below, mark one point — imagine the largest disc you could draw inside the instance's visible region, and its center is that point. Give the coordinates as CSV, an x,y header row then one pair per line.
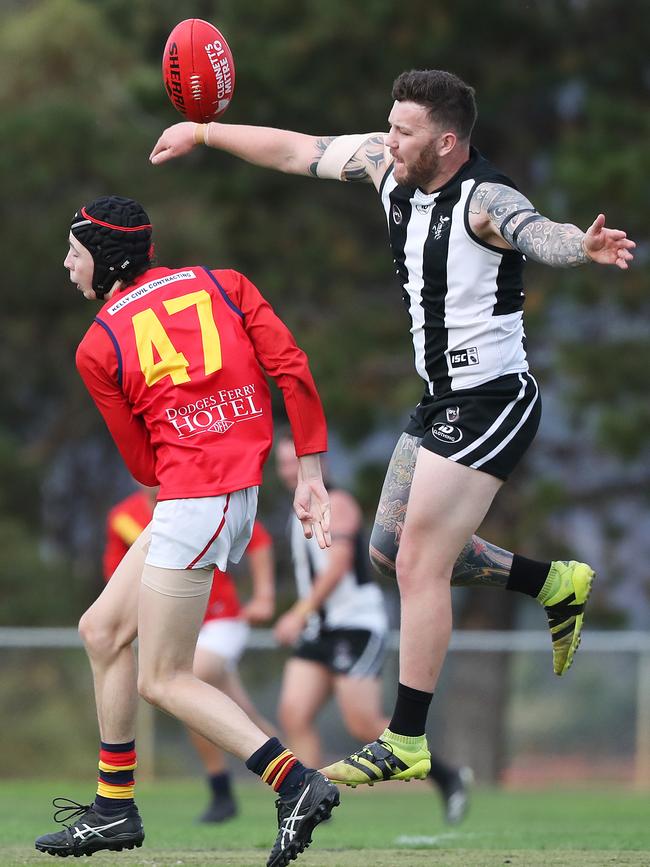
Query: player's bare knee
x,y
100,637
153,688
414,575
291,719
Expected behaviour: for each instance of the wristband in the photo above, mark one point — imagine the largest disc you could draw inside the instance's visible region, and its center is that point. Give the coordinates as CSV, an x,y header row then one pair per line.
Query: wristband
x,y
199,133
303,607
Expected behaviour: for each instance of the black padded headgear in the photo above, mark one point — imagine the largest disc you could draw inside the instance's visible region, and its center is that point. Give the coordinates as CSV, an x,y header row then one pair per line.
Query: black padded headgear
x,y
117,233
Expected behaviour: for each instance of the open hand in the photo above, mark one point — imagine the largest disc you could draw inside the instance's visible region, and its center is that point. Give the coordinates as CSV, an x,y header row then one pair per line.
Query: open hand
x,y
311,504
175,141
608,246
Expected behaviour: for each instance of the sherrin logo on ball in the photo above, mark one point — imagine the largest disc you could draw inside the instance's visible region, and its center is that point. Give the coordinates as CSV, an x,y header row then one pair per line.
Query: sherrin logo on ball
x,y
198,70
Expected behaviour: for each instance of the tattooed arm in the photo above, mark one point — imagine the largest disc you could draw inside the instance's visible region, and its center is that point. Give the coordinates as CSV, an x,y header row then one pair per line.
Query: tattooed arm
x,y
502,216
362,158
352,158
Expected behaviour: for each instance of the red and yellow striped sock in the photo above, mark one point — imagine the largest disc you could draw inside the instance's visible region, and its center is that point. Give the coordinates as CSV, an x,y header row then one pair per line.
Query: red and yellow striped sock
x,y
115,783
277,766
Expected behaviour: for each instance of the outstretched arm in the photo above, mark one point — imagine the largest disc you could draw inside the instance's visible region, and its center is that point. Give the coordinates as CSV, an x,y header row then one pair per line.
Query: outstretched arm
x,y
353,158
501,215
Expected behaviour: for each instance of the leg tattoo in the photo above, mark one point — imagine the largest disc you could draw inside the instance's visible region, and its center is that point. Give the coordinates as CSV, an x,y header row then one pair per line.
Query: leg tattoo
x,y
391,510
480,563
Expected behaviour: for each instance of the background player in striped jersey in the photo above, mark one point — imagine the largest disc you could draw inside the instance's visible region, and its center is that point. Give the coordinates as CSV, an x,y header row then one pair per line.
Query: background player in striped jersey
x,y
459,230
223,635
175,361
339,627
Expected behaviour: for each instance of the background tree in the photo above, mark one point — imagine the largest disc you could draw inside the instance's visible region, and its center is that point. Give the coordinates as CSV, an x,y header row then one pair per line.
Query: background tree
x,y
83,104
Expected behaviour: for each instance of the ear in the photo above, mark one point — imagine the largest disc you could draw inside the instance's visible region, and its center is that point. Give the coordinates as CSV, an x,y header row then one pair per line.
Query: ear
x,y
446,143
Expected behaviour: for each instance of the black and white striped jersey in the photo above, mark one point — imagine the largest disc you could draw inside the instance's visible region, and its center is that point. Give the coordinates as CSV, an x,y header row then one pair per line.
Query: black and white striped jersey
x,y
355,603
464,296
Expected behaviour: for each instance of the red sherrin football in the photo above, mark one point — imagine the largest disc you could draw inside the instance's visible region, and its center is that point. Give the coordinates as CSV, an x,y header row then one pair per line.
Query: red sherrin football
x,y
198,70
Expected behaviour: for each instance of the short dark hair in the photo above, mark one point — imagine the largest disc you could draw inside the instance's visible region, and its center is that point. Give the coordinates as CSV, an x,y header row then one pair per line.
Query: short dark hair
x,y
449,100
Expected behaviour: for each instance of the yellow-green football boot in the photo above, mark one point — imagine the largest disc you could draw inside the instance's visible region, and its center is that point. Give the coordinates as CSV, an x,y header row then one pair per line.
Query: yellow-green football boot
x,y
390,757
564,596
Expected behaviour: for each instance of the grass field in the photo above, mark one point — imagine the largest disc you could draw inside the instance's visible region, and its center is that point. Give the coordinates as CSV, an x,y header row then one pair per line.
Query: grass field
x,y
388,826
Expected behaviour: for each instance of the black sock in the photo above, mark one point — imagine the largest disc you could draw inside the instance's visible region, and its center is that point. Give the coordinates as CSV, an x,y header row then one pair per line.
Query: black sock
x,y
411,709
440,773
220,786
527,576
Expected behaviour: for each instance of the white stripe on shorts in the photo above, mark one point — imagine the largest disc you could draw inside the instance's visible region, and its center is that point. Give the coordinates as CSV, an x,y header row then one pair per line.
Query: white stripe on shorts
x,y
497,423
369,663
504,443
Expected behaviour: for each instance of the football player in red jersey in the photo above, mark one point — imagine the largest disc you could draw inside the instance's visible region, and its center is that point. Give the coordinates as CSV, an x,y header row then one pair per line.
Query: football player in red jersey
x,y
175,362
223,635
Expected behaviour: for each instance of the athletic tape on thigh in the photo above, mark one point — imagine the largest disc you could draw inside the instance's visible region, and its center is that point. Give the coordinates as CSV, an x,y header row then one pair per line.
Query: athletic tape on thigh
x,y
178,582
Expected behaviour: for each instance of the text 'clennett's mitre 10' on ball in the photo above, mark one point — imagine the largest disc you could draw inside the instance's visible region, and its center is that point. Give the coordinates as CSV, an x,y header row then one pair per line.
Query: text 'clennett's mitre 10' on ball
x,y
198,70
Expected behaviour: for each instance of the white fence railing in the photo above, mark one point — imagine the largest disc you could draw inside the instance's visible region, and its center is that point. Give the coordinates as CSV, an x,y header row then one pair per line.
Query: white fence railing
x,y
484,641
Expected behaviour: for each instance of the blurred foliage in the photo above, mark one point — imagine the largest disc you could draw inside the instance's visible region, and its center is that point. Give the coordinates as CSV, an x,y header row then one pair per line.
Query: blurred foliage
x,y
83,104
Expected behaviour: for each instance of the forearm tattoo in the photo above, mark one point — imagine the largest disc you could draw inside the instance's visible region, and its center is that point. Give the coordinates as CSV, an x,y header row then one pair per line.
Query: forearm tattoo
x,y
321,146
480,564
517,221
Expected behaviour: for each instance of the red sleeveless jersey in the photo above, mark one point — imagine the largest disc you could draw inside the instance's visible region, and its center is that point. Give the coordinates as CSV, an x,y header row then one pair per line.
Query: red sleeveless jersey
x,y
175,364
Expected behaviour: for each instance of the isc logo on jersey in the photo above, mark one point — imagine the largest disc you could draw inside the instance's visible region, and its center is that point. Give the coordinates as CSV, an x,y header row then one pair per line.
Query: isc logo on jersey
x,y
464,357
446,433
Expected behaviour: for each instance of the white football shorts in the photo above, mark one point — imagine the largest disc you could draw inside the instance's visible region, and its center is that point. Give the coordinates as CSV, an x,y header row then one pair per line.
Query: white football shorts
x,y
202,532
225,637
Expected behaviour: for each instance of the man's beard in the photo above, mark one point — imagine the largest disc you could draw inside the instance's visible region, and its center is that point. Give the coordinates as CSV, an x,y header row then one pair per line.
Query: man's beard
x,y
423,170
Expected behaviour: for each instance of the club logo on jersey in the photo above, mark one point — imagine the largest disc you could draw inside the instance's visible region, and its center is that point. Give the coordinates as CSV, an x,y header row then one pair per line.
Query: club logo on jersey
x,y
446,433
397,215
452,413
438,228
422,209
216,413
464,357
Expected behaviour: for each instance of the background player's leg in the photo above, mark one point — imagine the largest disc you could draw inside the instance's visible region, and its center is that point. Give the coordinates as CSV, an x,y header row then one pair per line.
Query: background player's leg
x,y
360,701
306,687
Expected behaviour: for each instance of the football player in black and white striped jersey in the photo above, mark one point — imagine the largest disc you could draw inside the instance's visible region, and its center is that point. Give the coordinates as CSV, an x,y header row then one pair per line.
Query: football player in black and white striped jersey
x,y
460,231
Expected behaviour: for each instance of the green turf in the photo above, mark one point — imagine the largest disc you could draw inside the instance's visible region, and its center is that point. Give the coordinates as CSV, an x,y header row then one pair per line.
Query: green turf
x,y
394,825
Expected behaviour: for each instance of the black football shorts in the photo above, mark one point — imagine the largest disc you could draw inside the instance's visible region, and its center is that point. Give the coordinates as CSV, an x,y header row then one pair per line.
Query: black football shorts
x,y
488,427
350,652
